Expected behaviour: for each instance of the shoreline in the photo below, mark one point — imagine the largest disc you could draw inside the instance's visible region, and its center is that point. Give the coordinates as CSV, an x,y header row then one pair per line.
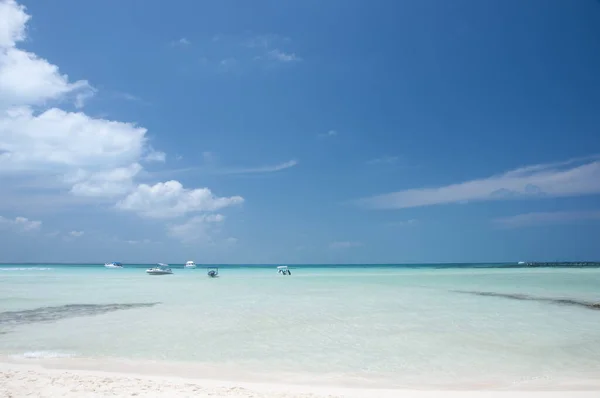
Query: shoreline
x,y
41,378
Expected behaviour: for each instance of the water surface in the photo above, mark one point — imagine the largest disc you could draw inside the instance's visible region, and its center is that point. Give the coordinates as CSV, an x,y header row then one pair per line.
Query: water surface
x,y
396,326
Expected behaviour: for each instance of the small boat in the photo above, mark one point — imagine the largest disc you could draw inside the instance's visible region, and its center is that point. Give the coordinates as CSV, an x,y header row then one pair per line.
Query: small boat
x,y
213,272
160,269
283,269
114,264
190,264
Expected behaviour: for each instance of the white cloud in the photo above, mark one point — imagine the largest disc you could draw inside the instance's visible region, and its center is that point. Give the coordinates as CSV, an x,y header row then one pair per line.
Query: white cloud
x,y
170,199
26,79
263,169
546,218
57,140
574,177
211,166
181,42
383,160
76,234
344,245
21,224
404,223
91,157
13,18
198,229
282,56
110,183
155,156
330,133
138,242
128,97
54,142
269,48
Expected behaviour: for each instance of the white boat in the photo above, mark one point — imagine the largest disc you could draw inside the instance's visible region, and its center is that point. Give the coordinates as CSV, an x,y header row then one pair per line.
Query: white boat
x,y
283,269
160,269
190,264
114,264
521,263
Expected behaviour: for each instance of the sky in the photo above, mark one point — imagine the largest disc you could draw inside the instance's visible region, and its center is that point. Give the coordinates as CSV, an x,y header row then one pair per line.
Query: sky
x,y
345,131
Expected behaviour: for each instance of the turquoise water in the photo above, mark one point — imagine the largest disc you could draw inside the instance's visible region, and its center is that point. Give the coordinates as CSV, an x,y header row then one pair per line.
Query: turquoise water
x,y
390,326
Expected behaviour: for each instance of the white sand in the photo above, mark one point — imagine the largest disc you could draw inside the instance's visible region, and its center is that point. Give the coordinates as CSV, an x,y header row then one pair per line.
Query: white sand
x,y
26,380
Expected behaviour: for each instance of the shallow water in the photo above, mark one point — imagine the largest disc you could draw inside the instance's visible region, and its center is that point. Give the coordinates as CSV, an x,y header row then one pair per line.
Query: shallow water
x,y
393,326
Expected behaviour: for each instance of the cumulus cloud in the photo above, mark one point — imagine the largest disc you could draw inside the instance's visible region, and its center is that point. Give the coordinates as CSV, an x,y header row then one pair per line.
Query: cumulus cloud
x,y
170,199
14,19
86,156
21,224
76,234
535,219
573,177
155,156
60,141
110,183
51,140
26,79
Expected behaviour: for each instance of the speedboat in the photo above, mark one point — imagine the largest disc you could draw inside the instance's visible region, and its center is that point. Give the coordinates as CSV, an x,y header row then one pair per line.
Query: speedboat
x,y
283,269
114,264
190,264
160,269
213,272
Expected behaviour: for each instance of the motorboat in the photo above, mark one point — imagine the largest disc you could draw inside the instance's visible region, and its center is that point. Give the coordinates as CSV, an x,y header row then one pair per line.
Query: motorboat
x,y
190,264
284,270
160,269
114,264
213,272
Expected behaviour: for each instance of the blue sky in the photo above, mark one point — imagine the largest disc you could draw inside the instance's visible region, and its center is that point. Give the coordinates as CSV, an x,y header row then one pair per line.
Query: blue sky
x,y
300,132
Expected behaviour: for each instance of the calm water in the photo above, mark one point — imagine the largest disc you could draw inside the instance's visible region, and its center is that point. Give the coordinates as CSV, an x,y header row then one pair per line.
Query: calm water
x,y
396,326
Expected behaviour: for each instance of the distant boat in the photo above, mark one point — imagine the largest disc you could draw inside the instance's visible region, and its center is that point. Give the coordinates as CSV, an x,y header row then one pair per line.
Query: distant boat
x,y
190,264
160,269
521,263
283,269
114,264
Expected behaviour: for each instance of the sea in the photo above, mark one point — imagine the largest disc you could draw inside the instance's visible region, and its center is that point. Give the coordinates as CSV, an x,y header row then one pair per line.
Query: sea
x,y
449,326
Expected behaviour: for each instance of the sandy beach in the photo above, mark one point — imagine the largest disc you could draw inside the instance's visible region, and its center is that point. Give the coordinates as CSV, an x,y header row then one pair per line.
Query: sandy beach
x,y
31,380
